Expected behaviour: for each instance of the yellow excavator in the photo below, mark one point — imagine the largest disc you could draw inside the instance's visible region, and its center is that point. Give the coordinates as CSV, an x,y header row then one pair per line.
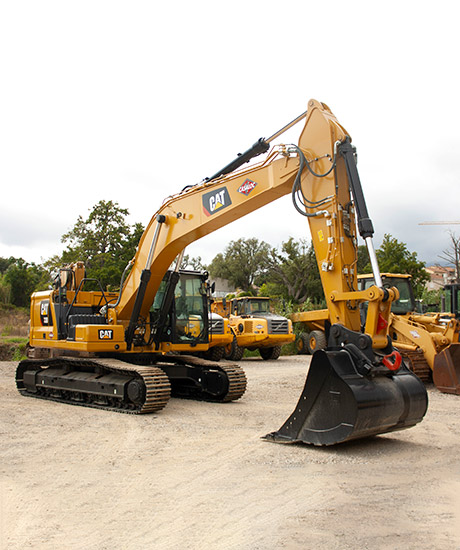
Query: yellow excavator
x,y
111,351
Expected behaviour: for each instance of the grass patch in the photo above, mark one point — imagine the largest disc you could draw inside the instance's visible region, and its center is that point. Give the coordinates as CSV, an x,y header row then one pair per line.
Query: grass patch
x,y
13,349
14,322
16,340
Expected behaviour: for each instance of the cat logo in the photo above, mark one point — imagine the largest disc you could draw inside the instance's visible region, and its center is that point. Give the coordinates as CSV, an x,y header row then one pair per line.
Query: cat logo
x,y
214,201
105,334
45,316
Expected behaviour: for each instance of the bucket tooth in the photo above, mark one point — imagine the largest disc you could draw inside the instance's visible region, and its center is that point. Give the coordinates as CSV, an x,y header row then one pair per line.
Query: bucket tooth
x,y
339,404
446,370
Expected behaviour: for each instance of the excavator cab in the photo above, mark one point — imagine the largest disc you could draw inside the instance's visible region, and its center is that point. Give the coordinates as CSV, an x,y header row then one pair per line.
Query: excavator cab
x,y
179,313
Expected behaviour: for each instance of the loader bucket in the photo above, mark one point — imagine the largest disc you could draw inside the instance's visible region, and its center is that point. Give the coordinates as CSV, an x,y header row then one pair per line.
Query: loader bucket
x,y
338,403
446,370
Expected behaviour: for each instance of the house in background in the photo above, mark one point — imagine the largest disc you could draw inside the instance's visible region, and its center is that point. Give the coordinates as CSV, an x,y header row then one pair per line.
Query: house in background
x,y
223,287
439,276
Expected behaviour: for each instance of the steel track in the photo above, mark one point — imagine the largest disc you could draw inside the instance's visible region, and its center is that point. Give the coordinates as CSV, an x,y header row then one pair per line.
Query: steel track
x,y
157,386
416,362
156,383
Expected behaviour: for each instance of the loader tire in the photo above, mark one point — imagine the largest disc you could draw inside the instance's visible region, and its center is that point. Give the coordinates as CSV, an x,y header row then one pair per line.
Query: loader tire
x,y
301,343
316,341
270,354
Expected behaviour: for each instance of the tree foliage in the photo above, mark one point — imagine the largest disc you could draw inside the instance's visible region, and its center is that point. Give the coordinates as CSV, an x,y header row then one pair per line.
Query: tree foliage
x,y
104,241
241,262
18,279
363,260
293,272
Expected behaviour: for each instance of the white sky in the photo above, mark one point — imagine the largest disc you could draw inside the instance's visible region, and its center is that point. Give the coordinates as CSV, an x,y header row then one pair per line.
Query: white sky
x,y
131,101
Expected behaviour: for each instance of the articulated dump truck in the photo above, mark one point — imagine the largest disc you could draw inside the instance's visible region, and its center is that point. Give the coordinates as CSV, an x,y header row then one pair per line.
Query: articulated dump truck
x,y
116,351
254,327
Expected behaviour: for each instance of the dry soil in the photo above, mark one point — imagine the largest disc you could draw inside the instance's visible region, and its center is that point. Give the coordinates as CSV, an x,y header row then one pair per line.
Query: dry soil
x,y
198,476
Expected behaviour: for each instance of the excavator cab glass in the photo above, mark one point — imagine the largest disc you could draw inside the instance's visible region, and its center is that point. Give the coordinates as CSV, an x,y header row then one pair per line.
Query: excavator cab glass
x,y
191,309
187,316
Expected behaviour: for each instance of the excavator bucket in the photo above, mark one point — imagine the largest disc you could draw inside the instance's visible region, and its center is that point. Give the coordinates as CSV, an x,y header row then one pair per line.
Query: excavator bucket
x,y
339,403
446,370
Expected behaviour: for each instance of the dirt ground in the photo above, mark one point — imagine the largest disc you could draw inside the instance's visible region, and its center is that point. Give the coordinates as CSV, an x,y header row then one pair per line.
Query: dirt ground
x,y
198,476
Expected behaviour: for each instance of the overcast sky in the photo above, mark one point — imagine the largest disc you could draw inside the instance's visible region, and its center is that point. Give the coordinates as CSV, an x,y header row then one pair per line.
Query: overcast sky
x,y
131,101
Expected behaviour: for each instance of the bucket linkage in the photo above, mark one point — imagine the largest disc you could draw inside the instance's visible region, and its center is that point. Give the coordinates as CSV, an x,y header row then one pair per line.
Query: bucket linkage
x,y
353,391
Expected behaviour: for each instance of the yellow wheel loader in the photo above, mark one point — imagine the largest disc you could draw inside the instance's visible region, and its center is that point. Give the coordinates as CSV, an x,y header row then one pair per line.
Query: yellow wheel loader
x,y
427,341
255,327
110,350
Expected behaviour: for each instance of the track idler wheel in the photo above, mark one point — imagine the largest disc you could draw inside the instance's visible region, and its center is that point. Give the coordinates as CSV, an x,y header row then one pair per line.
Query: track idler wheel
x,y
136,391
340,403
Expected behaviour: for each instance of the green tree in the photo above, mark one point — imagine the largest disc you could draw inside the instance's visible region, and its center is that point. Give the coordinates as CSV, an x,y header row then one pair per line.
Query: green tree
x,y
363,259
22,278
5,263
241,263
5,290
294,272
104,241
394,257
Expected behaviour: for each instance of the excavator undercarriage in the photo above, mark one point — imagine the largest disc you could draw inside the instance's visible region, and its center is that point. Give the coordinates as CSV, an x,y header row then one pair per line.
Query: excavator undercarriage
x,y
116,385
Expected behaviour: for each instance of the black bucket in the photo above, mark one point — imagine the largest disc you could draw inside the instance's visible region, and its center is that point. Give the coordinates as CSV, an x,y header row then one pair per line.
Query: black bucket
x,y
338,403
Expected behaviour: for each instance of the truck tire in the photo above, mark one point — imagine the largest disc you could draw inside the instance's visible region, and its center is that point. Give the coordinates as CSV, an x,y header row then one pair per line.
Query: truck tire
x,y
230,348
268,354
316,341
233,352
237,353
214,354
301,343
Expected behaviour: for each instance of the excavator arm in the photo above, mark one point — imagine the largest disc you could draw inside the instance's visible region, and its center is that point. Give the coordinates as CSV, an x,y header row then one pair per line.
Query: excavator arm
x,y
320,172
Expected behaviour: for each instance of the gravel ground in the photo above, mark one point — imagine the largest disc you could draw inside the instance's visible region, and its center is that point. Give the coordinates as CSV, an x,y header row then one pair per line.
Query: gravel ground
x,y
198,476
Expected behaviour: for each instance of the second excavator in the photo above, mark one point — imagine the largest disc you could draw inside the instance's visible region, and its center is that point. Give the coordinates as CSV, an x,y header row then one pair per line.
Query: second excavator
x,y
111,350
